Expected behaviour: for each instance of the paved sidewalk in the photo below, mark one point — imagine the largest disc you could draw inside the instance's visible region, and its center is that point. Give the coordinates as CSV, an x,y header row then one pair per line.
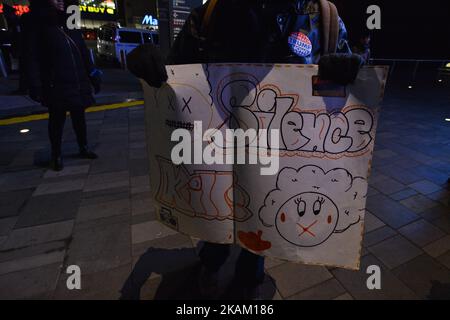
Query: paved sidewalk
x,y
97,214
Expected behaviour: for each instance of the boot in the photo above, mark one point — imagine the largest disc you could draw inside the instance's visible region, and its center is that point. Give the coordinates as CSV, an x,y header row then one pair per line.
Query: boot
x,y
85,153
56,163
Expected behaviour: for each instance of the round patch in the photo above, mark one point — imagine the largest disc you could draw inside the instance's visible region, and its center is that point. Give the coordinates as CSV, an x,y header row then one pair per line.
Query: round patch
x,y
300,44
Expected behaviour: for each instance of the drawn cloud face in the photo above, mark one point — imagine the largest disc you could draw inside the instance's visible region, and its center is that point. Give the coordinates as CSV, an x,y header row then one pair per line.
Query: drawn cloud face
x,y
309,204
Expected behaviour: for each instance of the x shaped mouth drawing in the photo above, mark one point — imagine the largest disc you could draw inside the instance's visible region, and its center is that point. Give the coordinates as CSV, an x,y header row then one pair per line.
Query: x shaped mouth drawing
x,y
307,229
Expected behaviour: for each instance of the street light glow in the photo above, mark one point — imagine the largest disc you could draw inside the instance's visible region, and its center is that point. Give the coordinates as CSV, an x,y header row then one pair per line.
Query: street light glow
x,y
24,130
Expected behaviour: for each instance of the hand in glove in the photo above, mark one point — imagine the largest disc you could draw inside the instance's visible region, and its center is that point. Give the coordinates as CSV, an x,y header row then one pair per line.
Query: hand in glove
x,y
96,80
146,62
340,68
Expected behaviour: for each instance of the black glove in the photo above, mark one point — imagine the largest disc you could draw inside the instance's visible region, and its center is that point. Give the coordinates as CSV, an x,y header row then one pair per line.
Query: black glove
x,y
35,94
146,62
96,80
340,68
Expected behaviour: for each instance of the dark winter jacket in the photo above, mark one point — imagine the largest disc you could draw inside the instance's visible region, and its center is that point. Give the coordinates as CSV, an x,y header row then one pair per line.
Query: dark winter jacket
x,y
57,63
252,31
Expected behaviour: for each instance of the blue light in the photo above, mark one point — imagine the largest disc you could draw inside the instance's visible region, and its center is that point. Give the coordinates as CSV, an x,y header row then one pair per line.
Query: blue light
x,y
149,20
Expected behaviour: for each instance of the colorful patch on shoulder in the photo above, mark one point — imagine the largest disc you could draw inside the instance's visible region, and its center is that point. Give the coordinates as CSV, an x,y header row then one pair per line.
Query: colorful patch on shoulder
x,y
300,44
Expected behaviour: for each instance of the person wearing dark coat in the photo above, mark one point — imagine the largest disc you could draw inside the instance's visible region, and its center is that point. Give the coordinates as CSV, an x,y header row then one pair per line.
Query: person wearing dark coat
x,y
248,31
59,72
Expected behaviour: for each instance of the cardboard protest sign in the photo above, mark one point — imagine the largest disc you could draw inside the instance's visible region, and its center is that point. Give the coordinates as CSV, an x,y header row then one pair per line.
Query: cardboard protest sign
x,y
295,186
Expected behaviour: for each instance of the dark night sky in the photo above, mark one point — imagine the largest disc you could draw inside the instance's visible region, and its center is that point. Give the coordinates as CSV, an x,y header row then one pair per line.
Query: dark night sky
x,y
410,29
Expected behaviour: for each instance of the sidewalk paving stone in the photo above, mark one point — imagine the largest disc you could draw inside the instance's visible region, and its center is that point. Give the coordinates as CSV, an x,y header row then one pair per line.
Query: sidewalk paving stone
x,y
142,203
418,203
443,223
12,202
105,195
378,235
445,259
431,174
24,237
107,181
68,171
435,213
6,225
395,251
49,208
104,210
327,290
421,233
29,283
442,196
420,273
148,231
11,181
425,187
106,284
402,175
388,186
139,167
345,296
384,207
176,241
355,282
31,262
439,247
404,194
59,187
305,277
372,223
101,247
33,250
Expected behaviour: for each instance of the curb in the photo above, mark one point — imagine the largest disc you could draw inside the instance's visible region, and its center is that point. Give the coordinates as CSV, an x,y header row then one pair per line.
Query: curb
x,y
100,101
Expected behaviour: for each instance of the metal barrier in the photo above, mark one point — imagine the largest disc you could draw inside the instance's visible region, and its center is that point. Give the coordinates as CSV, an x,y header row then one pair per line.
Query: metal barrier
x,y
436,70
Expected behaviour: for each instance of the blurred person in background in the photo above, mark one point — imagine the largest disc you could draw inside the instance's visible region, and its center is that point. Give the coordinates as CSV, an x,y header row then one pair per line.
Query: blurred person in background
x,y
59,72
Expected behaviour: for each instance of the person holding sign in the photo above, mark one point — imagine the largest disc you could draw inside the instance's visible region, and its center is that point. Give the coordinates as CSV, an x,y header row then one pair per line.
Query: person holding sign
x,y
253,31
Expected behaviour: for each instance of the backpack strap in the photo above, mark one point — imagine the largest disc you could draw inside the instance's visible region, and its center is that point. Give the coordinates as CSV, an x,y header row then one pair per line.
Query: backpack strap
x,y
212,4
329,17
330,26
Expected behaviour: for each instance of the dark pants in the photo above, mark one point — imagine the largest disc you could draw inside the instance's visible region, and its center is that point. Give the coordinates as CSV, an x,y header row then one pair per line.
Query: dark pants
x,y
57,119
249,266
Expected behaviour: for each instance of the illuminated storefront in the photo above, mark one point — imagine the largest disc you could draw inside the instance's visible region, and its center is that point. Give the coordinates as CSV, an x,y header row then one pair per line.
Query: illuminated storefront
x,y
94,13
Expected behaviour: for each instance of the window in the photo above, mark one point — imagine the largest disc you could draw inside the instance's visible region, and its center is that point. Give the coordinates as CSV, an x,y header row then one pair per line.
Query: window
x,y
130,37
106,35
